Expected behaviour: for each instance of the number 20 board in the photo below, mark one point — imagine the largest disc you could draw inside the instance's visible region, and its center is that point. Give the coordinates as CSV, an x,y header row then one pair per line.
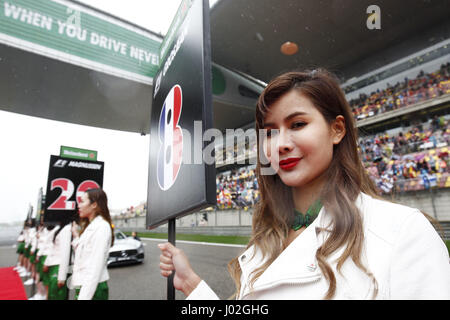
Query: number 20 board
x,y
68,179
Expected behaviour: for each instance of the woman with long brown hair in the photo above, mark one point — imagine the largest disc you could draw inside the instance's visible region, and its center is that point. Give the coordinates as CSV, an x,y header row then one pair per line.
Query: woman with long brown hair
x,y
90,274
320,229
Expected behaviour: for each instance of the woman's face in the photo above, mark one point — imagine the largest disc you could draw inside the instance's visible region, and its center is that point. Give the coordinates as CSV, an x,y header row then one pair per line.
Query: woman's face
x,y
86,208
301,149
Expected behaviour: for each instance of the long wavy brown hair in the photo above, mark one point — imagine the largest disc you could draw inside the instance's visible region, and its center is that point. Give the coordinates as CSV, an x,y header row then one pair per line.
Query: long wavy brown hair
x,y
99,196
346,178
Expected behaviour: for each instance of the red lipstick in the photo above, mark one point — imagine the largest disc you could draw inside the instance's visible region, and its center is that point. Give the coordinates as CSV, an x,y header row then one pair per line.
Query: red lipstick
x,y
289,163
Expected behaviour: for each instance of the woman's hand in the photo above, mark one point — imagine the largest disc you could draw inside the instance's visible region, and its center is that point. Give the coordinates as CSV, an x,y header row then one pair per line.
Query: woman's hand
x,y
174,259
61,284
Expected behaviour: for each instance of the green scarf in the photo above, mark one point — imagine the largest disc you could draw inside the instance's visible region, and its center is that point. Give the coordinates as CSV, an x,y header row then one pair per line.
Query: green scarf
x,y
304,220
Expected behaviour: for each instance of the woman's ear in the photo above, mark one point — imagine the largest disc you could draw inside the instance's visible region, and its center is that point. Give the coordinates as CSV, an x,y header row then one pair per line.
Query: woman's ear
x,y
338,129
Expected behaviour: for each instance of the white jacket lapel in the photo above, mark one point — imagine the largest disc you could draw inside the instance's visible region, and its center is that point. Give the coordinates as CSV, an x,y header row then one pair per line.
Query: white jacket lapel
x,y
296,264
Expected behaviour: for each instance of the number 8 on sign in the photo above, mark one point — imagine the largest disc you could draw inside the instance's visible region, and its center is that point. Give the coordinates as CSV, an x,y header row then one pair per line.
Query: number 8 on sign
x,y
171,138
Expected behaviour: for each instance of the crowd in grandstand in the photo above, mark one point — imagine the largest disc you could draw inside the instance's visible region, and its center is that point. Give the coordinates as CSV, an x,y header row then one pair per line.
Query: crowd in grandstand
x,y
237,189
425,86
416,160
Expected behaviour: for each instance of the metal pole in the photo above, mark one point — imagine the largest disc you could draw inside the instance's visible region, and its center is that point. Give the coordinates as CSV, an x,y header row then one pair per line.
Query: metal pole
x,y
170,287
70,261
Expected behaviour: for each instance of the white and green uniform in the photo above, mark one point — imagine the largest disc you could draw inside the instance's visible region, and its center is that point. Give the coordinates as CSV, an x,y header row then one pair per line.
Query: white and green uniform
x,y
90,272
21,243
46,250
58,262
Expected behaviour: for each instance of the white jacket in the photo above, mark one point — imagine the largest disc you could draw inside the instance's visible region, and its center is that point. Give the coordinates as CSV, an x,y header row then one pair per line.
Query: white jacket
x,y
21,238
32,239
401,248
41,241
48,244
91,255
26,235
60,252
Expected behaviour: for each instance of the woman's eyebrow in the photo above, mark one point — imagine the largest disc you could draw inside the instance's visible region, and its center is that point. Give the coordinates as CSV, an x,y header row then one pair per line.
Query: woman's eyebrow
x,y
289,117
294,114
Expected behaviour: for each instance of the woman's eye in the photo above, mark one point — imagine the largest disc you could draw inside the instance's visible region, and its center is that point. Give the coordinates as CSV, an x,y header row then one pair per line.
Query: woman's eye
x,y
296,125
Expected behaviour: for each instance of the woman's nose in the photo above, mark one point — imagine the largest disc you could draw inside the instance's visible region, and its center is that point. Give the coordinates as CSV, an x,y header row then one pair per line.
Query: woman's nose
x,y
284,142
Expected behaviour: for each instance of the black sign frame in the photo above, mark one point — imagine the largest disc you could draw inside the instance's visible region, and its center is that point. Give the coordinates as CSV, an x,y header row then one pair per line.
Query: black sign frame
x,y
187,65
66,178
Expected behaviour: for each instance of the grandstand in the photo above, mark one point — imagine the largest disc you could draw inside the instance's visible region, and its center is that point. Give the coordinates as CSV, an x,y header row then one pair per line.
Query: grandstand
x,y
405,146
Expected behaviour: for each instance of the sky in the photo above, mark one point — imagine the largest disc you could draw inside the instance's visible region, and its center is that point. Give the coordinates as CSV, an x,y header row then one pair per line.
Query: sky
x,y
26,143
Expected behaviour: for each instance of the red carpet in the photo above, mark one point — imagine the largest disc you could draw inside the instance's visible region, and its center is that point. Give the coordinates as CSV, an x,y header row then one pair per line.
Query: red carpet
x,y
11,287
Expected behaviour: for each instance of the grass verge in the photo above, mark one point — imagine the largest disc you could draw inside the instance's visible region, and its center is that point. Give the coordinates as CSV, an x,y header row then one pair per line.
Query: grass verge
x,y
210,238
196,237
